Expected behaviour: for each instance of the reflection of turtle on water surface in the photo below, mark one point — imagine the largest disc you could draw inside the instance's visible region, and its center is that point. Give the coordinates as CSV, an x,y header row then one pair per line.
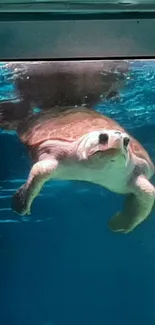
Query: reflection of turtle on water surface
x,y
82,144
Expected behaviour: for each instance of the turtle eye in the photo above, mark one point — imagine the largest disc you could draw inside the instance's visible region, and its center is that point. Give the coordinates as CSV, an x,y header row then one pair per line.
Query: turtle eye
x,y
126,141
103,138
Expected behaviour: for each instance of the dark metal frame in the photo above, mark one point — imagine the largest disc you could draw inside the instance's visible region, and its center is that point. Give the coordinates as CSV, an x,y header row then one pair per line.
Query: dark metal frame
x,y
56,35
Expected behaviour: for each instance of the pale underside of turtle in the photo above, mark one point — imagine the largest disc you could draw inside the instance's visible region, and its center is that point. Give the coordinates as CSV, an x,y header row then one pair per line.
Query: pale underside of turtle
x,y
82,144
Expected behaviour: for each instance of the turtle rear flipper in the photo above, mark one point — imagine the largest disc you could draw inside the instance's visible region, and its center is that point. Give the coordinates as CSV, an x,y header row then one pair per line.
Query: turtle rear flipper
x,y
117,223
137,208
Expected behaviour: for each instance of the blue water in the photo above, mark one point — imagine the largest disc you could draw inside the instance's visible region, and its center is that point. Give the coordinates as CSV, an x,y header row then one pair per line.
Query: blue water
x,y
64,267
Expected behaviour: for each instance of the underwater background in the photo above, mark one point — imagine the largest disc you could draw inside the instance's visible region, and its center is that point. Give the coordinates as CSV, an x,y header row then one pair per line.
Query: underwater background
x,y
63,266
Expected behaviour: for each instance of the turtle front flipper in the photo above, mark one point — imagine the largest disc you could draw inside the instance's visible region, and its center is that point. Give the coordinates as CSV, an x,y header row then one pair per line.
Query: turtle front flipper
x,y
138,205
25,195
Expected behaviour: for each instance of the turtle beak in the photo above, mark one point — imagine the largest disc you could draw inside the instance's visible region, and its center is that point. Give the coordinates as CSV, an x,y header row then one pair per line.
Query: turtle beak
x,y
115,140
119,140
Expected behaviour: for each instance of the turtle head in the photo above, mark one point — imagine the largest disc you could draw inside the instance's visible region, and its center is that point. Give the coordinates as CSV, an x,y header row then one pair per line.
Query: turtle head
x,y
113,146
108,142
114,140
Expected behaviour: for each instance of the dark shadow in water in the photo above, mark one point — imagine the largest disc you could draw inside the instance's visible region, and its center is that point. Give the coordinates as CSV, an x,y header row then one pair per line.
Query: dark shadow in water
x,y
44,85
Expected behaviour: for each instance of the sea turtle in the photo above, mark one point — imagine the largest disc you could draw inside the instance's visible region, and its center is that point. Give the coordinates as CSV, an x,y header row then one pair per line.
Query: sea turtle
x,y
82,144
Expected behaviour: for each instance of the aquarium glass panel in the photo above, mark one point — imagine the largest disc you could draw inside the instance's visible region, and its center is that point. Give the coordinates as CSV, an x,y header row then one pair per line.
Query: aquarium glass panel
x,y
77,190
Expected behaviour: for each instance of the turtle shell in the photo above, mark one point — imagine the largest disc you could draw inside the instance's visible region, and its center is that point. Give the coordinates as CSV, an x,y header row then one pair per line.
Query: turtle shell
x,y
69,125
